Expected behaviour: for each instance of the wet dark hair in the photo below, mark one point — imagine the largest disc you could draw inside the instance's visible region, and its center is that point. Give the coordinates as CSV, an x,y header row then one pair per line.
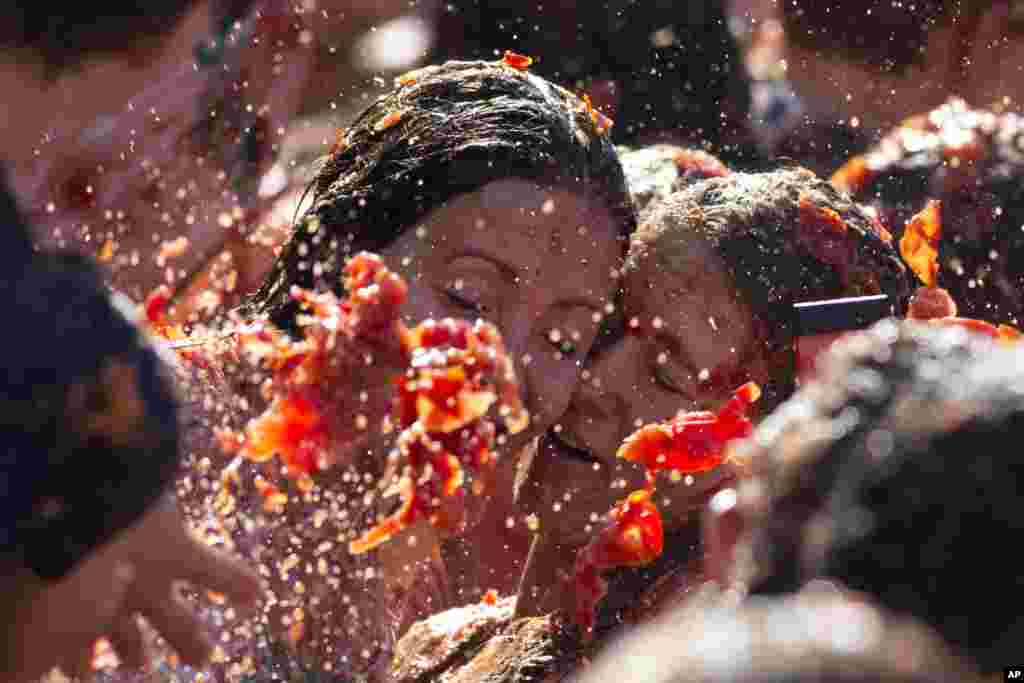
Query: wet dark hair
x,y
443,131
881,34
753,221
88,417
818,637
894,474
657,171
971,160
676,66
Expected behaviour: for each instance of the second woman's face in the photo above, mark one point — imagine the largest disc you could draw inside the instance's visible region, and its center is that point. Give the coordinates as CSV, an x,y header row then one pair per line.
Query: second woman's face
x,y
537,262
689,342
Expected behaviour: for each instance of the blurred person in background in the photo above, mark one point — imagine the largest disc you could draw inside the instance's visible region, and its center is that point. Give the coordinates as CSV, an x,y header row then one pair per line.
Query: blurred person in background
x,y
89,536
664,71
890,475
831,77
882,62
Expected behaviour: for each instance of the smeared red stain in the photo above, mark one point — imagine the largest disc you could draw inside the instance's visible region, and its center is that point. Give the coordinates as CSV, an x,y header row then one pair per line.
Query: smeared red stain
x,y
919,245
408,78
696,163
820,218
853,176
516,60
339,141
822,232
602,124
156,304
392,119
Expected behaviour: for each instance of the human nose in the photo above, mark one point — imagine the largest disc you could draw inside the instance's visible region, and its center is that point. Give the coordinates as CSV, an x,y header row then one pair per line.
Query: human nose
x,y
609,395
516,340
547,374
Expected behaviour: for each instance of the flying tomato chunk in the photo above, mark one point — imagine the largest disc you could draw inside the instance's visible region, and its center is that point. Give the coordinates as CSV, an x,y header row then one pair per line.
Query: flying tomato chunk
x,y
516,60
633,536
692,442
932,304
919,245
457,372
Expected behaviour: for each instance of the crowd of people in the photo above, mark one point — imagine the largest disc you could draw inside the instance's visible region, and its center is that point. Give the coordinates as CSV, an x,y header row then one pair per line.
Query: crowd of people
x,y
207,475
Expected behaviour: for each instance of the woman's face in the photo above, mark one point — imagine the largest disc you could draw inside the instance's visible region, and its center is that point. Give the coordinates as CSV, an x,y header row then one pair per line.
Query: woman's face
x,y
689,341
537,262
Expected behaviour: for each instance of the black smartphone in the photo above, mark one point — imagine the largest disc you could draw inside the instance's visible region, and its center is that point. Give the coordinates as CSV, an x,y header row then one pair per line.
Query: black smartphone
x,y
817,324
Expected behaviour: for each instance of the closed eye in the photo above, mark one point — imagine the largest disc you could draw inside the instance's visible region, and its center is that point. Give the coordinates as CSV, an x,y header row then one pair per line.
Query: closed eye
x,y
463,301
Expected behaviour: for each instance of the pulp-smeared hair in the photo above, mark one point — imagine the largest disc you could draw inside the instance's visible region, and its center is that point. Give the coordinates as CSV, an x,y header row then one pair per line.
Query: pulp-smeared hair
x,y
896,474
752,221
981,250
443,131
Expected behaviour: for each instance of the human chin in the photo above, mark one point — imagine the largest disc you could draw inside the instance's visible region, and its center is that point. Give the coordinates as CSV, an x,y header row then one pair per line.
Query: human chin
x,y
566,492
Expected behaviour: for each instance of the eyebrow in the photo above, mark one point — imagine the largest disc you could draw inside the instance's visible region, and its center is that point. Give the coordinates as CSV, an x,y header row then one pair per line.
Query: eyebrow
x,y
511,273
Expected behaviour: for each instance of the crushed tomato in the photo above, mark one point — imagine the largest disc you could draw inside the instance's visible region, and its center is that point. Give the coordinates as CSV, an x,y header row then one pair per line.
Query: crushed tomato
x,y
634,535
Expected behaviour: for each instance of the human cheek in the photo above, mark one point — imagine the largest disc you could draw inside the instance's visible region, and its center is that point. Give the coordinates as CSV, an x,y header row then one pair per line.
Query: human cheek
x,y
613,392
547,377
